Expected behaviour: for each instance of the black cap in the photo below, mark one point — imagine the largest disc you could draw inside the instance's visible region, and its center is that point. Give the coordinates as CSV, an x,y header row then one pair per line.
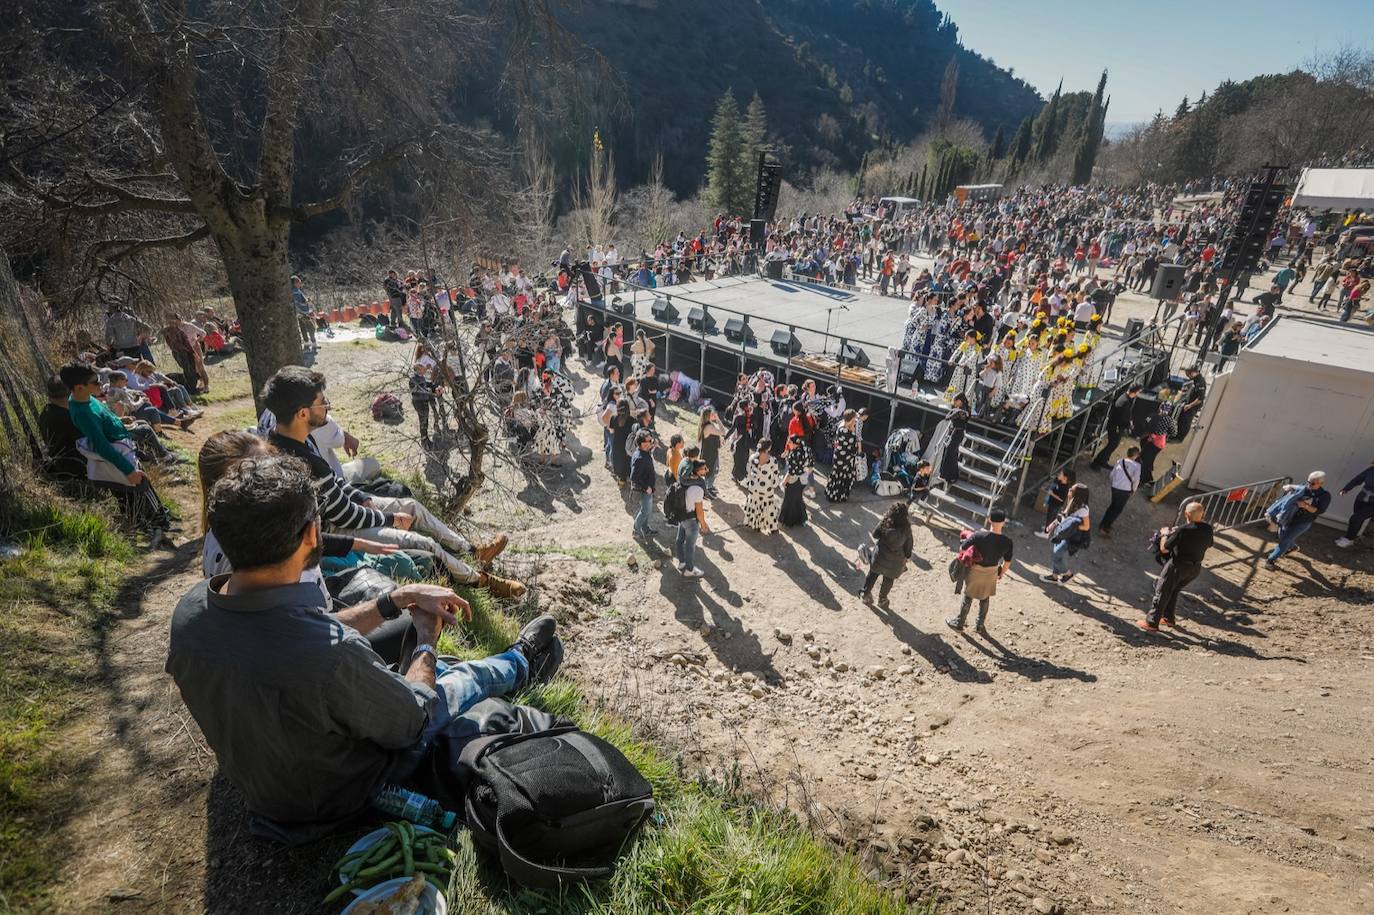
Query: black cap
x,y
997,516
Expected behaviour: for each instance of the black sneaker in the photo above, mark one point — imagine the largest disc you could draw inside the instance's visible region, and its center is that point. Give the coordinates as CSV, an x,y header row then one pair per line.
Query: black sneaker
x,y
542,648
953,623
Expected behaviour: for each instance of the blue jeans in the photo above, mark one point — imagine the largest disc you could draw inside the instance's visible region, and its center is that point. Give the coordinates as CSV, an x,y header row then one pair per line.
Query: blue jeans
x,y
1059,557
151,414
645,514
685,547
606,443
457,689
1289,535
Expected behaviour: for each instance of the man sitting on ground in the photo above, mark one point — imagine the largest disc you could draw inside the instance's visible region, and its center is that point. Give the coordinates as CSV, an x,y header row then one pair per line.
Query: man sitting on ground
x,y
304,717
295,396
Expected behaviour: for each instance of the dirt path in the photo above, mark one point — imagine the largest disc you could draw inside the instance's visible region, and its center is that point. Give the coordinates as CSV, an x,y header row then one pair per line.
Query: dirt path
x,y
1067,762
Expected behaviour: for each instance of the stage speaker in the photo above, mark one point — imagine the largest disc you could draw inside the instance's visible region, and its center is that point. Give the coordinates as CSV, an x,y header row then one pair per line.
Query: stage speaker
x,y
622,306
737,330
758,235
663,310
1168,281
700,319
773,269
1133,328
853,355
785,343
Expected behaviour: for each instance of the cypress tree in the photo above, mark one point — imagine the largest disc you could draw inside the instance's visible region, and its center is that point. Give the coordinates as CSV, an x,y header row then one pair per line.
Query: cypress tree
x,y
753,137
1021,143
1047,143
1090,141
999,145
726,187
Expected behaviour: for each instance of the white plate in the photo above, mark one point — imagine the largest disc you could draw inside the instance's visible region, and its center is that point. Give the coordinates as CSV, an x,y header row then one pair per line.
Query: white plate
x,y
371,839
431,900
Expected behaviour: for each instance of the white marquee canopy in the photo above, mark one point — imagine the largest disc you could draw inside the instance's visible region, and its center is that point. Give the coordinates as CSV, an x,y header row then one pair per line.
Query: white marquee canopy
x,y
1335,189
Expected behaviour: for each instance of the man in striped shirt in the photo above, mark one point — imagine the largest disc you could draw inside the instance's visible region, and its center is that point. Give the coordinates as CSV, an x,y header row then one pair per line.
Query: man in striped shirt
x,y
295,397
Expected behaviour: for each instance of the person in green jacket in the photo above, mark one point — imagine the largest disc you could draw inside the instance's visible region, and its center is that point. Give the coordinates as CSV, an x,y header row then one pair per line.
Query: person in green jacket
x,y
101,429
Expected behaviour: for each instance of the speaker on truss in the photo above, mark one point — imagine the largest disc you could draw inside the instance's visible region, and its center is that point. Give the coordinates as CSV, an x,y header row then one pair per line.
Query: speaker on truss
x,y
853,355
785,343
700,319
1168,281
623,306
591,281
663,310
737,330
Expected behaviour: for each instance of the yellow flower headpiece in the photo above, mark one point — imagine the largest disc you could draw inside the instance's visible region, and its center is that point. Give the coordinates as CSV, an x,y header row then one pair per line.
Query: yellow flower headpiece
x,y
1083,348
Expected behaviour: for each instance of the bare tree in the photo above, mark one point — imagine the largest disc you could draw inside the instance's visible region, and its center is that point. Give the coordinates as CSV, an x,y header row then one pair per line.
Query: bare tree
x,y
216,105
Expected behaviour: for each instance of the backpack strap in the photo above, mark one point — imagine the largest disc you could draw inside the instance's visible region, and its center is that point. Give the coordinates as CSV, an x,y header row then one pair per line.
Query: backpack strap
x,y
473,752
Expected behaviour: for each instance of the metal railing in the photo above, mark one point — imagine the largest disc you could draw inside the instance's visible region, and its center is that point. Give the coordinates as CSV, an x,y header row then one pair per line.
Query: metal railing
x,y
1237,506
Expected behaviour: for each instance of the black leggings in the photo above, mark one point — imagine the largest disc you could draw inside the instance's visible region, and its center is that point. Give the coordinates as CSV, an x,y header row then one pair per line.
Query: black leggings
x,y
883,590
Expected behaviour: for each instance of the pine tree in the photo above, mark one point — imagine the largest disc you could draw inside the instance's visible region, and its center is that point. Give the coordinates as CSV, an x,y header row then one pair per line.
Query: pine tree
x,y
1048,128
753,137
922,192
1021,143
949,89
1090,140
1182,110
859,179
999,145
726,185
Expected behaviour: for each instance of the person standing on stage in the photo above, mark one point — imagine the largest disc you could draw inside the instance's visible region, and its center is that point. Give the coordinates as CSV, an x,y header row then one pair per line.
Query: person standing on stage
x,y
1185,546
1120,421
1125,480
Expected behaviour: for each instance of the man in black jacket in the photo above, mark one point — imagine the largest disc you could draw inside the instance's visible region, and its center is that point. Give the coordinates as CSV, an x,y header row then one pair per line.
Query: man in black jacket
x,y
642,479
1185,547
1120,420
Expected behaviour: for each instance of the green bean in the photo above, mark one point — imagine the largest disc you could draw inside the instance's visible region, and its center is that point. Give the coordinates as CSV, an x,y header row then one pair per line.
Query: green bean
x,y
378,869
408,854
341,889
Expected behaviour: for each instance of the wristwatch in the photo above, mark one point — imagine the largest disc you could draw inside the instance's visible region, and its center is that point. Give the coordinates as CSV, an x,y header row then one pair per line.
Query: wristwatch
x,y
387,607
425,647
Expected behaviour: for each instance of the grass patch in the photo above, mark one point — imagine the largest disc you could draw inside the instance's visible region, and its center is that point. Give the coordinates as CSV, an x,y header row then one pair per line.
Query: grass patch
x,y
58,592
226,385
712,851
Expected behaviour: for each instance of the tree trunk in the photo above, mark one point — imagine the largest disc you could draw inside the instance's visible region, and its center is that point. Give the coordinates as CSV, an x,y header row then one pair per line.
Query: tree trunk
x,y
260,280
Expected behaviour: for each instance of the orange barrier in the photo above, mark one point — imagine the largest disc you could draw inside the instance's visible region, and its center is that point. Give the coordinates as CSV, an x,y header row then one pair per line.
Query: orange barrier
x,y
378,308
349,313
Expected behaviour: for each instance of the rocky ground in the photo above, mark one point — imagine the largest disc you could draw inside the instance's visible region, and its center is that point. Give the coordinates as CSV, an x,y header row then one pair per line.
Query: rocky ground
x,y
1067,762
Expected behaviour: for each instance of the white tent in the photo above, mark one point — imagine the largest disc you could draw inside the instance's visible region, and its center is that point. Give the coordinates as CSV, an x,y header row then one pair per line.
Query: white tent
x,y
1335,189
1300,399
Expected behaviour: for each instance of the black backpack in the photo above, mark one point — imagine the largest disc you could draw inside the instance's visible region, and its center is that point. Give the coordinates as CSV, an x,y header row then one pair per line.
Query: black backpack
x,y
675,503
554,806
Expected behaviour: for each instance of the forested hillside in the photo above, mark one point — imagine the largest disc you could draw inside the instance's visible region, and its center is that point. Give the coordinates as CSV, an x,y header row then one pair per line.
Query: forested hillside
x,y
838,77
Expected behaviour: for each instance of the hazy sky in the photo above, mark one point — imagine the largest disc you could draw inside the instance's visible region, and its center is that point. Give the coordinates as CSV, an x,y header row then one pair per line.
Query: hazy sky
x,y
1159,51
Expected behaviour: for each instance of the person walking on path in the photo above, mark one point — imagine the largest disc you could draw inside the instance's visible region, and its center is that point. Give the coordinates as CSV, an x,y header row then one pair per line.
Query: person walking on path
x,y
643,476
894,546
994,551
1120,421
694,525
1068,534
1185,546
1125,480
1364,505
1055,498
1293,514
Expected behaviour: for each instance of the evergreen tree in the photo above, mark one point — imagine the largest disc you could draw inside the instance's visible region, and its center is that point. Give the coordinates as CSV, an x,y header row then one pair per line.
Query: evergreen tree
x,y
1048,141
754,136
999,145
1182,110
859,179
1021,143
922,191
726,186
949,89
1090,138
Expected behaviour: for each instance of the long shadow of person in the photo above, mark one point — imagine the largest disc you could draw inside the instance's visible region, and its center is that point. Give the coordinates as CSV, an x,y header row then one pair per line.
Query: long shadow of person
x,y
1034,669
734,644
936,652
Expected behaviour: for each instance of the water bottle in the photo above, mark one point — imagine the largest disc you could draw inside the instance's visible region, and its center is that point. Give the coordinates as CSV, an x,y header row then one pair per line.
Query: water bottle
x,y
413,806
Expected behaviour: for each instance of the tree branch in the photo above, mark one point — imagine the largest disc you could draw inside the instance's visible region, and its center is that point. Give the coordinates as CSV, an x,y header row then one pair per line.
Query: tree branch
x,y
133,246
351,183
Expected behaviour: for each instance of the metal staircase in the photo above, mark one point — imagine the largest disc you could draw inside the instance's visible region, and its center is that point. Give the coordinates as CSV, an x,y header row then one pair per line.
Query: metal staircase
x,y
990,459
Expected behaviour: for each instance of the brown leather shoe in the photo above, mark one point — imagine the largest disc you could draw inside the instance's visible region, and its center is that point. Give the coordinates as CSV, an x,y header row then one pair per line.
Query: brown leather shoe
x,y
504,588
485,553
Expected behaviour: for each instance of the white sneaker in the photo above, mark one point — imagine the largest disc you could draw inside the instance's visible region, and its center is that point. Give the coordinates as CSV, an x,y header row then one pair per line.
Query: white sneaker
x,y
680,566
1344,542
692,573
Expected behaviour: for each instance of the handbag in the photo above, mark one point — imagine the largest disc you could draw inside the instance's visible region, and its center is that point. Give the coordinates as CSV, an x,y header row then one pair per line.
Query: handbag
x,y
863,557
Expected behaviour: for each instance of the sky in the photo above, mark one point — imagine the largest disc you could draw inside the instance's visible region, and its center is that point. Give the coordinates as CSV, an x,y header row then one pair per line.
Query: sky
x,y
1155,52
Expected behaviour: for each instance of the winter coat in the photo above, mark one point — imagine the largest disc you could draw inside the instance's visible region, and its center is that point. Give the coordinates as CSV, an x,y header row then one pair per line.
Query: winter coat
x,y
892,551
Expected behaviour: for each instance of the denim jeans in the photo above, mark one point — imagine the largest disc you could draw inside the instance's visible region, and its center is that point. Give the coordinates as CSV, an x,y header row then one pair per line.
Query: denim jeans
x,y
606,443
1059,557
685,546
151,414
1289,535
457,689
645,514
